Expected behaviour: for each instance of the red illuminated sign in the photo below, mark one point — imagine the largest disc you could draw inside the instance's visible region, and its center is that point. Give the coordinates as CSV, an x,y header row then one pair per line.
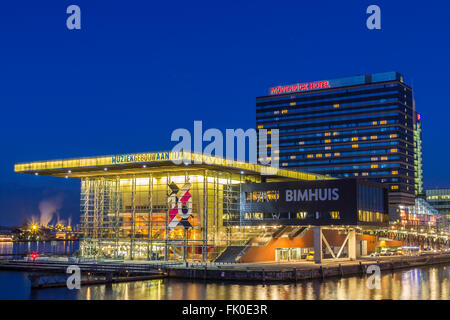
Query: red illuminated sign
x,y
300,87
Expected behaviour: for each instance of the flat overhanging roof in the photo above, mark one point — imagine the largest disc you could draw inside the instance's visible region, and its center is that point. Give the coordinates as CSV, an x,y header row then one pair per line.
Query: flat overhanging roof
x,y
140,163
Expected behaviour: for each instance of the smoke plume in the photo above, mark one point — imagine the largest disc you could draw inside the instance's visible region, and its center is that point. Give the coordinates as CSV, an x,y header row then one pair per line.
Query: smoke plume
x,y
49,208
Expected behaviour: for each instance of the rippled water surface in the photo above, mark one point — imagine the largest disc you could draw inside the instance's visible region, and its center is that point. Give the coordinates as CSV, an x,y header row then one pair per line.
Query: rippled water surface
x,y
420,283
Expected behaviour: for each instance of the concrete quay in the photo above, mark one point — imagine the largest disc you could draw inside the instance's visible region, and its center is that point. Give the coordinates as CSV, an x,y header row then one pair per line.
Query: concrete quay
x,y
297,271
253,272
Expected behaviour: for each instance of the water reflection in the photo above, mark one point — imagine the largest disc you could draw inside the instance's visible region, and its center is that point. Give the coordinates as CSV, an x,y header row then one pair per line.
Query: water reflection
x,y
48,247
421,283
428,283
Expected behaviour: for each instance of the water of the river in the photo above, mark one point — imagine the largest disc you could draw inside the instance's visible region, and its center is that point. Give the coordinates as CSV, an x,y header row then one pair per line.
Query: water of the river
x,y
423,283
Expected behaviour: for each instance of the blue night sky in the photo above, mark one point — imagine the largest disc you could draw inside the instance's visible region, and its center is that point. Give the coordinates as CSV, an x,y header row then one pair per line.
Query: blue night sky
x,y
137,70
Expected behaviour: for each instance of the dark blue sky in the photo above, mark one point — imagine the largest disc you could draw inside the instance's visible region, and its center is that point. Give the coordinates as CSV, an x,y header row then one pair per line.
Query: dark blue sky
x,y
137,70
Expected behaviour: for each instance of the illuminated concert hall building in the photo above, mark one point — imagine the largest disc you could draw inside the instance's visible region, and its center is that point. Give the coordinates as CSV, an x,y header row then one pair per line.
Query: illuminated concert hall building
x,y
364,126
167,207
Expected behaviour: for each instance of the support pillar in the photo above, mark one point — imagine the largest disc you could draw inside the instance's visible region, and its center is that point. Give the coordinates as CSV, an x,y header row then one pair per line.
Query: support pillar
x,y
352,244
317,244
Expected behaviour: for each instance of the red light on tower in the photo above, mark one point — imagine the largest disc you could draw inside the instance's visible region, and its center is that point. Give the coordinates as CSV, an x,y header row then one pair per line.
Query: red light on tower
x,y
34,255
418,117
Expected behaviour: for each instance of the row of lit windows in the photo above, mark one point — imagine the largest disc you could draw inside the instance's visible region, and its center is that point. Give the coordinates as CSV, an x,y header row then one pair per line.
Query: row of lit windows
x,y
340,119
320,141
306,106
369,216
327,113
331,161
262,196
321,97
366,174
337,154
354,167
346,146
343,132
342,153
302,215
440,197
332,126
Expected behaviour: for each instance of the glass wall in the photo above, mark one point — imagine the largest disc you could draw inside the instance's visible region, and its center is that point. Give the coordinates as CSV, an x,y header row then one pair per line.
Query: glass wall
x,y
167,216
371,205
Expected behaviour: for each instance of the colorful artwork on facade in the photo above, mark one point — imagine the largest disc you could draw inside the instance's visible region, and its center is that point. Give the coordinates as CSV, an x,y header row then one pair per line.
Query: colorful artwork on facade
x,y
180,203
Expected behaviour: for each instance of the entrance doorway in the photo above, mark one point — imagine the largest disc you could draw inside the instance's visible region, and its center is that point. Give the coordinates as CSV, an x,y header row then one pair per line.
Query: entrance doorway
x,y
291,254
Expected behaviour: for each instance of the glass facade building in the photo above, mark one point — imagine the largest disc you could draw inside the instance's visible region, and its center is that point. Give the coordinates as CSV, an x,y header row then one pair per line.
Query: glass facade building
x,y
422,217
363,126
145,206
439,198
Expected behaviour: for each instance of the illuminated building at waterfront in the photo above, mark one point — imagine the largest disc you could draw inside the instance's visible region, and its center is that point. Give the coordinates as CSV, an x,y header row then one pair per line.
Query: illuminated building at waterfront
x,y
439,198
146,206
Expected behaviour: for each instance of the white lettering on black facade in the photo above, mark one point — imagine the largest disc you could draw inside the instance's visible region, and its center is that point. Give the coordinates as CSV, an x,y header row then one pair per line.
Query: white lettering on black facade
x,y
318,194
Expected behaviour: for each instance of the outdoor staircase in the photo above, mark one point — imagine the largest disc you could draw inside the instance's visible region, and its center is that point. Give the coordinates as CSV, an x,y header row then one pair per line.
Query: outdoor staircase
x,y
298,232
232,254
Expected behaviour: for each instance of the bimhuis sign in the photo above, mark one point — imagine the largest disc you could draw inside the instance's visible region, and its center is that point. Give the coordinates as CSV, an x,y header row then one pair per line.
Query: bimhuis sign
x,y
328,202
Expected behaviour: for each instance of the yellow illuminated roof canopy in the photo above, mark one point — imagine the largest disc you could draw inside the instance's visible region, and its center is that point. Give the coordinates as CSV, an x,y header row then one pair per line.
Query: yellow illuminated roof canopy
x,y
141,162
